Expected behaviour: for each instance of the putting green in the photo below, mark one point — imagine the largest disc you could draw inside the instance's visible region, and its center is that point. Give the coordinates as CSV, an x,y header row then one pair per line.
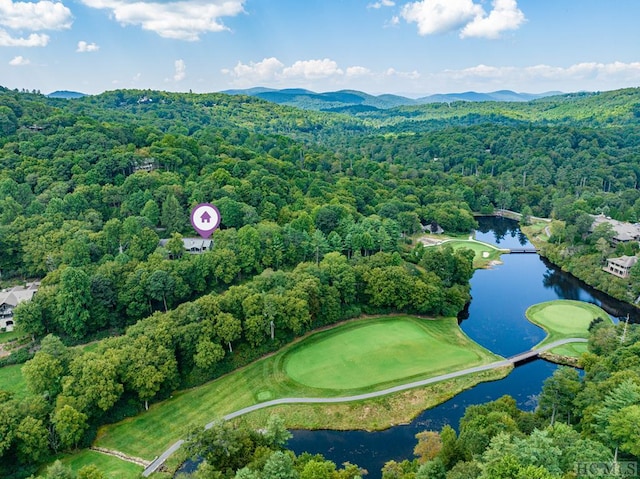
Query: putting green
x,y
377,351
564,318
484,252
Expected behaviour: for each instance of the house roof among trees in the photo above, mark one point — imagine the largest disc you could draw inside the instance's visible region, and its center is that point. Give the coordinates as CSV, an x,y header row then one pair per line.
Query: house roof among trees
x,y
624,261
18,294
622,231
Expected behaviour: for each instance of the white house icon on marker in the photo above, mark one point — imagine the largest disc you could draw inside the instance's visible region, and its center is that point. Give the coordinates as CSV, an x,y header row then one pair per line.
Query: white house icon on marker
x,y
205,219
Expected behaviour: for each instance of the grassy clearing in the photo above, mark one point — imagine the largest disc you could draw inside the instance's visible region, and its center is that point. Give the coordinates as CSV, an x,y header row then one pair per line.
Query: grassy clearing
x,y
365,354
537,232
148,434
484,252
564,319
537,228
11,376
111,467
11,380
573,350
10,336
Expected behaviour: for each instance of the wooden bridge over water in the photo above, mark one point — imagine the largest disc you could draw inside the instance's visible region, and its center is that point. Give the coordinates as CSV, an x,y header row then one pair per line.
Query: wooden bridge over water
x,y
522,251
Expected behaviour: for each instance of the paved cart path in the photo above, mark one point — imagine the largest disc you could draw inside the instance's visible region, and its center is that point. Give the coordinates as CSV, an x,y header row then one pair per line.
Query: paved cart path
x,y
153,467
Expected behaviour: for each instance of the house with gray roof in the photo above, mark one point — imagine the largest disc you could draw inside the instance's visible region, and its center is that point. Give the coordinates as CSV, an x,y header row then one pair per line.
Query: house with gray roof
x,y
192,245
621,266
622,232
10,298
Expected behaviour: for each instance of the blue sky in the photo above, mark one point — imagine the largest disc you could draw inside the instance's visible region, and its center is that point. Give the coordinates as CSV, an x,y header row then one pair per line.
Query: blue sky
x,y
405,47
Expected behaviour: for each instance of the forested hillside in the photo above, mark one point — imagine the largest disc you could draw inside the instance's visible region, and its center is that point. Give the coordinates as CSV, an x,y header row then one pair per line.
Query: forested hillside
x,y
318,211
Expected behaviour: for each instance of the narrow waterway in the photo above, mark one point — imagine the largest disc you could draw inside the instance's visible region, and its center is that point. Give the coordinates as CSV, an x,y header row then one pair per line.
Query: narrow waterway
x,y
495,319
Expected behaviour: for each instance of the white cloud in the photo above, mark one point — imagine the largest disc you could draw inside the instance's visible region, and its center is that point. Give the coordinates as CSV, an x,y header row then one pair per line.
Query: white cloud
x,y
443,16
357,71
84,47
31,17
440,16
479,71
322,74
392,72
271,70
34,16
327,75
33,40
255,73
381,3
588,71
19,61
312,69
504,16
181,70
180,20
590,75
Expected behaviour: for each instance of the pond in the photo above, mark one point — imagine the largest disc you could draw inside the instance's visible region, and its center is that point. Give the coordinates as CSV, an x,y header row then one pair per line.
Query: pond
x,y
495,319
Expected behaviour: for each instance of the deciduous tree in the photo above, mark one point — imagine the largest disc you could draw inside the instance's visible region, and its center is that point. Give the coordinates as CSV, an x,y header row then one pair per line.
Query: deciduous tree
x,y
70,425
428,447
43,375
32,438
73,301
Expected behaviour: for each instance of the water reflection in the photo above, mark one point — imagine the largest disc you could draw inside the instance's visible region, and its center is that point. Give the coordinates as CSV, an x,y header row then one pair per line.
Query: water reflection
x,y
561,285
495,319
502,231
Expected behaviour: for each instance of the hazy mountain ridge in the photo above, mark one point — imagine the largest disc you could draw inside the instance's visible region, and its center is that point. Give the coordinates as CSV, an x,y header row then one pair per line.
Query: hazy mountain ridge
x,y
350,100
66,94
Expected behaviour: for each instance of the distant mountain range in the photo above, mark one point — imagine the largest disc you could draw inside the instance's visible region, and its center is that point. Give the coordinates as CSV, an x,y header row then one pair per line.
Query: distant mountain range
x,y
353,101
65,94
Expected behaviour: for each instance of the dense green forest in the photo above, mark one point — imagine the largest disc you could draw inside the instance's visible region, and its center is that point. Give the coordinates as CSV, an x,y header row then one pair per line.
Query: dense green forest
x,y
318,214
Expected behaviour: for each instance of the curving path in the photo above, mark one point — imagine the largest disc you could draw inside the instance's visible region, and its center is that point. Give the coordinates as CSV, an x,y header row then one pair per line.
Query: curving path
x,y
153,467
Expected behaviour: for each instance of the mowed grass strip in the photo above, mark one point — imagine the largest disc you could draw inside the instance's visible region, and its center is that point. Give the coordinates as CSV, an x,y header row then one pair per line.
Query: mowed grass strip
x,y
11,380
111,467
564,318
371,353
573,350
150,433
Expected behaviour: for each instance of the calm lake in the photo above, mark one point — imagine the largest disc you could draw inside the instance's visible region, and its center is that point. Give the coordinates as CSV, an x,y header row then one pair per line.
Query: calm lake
x,y
495,319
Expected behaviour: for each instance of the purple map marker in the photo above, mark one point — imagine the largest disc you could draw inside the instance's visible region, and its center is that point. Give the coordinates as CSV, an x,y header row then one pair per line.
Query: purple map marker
x,y
205,219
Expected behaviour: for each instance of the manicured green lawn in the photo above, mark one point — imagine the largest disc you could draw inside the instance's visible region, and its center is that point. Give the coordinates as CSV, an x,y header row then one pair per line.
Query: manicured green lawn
x,y
364,354
564,318
111,467
11,380
150,433
573,350
484,252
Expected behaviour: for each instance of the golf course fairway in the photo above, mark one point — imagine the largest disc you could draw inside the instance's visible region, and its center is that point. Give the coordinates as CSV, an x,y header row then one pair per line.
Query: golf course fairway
x,y
367,353
375,358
